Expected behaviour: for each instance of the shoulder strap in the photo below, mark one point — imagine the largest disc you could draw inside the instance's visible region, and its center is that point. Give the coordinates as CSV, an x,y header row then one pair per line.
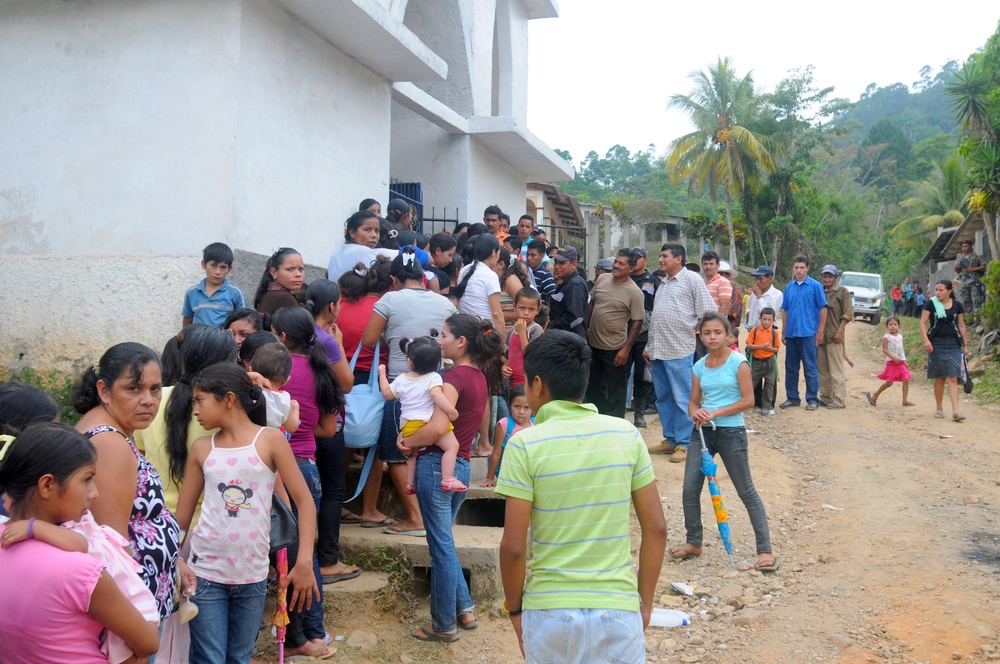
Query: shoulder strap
x,y
510,427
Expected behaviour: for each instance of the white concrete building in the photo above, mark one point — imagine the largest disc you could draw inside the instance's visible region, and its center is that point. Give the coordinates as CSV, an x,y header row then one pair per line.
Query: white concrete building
x,y
135,132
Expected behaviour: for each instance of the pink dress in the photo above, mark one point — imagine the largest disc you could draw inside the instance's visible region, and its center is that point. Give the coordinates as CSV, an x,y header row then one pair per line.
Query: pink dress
x,y
106,545
895,372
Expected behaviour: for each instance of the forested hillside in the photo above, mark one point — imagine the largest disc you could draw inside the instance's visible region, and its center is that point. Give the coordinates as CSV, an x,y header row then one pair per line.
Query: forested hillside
x,y
771,173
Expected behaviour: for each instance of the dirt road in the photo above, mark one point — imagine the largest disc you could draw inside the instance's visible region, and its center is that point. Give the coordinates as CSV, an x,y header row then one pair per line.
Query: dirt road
x,y
885,522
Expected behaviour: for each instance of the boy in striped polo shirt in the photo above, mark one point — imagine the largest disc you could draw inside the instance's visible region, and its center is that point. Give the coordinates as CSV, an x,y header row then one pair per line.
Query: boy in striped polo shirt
x,y
572,479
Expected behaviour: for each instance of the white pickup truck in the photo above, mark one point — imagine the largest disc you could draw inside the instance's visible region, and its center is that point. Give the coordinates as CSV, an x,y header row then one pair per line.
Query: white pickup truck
x,y
868,293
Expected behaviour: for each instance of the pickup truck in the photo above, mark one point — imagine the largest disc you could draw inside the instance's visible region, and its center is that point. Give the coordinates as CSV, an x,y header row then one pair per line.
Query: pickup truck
x,y
868,294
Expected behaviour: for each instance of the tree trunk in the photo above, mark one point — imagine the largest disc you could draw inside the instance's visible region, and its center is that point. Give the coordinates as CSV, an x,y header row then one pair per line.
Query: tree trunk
x,y
991,235
777,253
732,234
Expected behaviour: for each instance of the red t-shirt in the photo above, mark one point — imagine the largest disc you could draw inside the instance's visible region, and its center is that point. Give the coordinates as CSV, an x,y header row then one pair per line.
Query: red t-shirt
x,y
352,320
515,354
473,395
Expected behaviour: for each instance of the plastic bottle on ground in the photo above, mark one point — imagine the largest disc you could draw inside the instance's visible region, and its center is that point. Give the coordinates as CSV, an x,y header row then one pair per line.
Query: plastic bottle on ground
x,y
669,618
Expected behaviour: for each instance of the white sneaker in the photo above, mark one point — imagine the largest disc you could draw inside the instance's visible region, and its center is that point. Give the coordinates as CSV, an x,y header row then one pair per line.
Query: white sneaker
x,y
770,412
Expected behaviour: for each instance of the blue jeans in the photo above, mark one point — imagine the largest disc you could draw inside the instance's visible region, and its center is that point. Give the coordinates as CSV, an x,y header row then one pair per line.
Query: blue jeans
x,y
559,636
225,629
449,591
672,380
307,624
730,443
801,349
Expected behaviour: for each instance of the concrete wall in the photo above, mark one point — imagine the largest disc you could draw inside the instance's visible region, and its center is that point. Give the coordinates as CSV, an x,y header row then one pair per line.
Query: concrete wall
x,y
135,133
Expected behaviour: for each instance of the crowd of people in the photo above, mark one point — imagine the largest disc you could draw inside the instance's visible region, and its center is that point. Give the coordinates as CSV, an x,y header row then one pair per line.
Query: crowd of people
x,y
485,340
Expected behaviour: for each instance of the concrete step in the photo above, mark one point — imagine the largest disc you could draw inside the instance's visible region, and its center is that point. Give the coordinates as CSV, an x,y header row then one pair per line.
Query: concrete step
x,y
369,583
478,549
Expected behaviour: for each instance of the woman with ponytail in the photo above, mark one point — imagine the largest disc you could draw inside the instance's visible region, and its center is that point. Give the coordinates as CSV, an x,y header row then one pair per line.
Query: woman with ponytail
x,y
323,302
470,344
409,311
117,398
478,289
168,439
313,384
283,275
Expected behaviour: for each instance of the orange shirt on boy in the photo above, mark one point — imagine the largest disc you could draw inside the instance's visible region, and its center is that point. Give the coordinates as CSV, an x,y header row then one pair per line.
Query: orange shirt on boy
x,y
760,336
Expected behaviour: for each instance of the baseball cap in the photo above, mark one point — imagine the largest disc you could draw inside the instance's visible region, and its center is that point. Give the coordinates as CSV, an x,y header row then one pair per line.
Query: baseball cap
x,y
604,264
967,241
567,253
829,269
639,251
692,266
763,271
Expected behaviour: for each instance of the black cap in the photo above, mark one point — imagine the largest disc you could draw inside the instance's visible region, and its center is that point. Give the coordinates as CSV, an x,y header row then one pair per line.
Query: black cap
x,y
639,251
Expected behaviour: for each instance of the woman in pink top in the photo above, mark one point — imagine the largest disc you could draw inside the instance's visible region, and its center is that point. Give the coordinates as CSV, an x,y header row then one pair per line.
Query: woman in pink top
x,y
313,384
56,603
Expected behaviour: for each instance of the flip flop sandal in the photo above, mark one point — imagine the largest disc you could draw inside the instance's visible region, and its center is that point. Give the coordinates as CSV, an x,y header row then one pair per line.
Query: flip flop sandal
x,y
957,418
387,521
341,576
429,636
410,489
868,395
910,403
681,557
449,485
349,517
939,415
767,569
472,624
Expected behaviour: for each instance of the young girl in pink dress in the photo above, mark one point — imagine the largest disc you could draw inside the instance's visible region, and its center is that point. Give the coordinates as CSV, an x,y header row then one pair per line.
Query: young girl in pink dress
x,y
236,469
895,370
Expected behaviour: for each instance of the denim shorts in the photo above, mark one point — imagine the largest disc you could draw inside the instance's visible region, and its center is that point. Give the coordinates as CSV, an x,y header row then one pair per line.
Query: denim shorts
x,y
563,636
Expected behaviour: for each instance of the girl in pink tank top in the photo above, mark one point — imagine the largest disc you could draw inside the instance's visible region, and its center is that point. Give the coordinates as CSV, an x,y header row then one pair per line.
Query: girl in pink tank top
x,y
237,469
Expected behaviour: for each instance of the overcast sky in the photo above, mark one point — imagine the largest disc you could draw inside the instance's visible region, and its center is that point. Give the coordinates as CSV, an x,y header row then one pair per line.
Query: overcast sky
x,y
602,72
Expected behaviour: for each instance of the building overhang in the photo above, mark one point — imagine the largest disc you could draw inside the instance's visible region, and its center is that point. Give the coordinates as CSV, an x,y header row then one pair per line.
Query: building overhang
x,y
366,31
565,205
541,9
520,148
936,253
502,136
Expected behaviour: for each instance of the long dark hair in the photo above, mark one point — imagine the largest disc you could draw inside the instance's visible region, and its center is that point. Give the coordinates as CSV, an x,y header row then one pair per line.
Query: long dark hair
x,y
483,344
170,361
43,448
299,332
117,361
484,245
204,347
255,341
251,316
21,405
320,295
276,260
514,267
222,377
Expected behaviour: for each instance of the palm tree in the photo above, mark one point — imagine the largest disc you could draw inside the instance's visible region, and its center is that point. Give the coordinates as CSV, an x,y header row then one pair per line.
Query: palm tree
x,y
970,92
940,201
724,152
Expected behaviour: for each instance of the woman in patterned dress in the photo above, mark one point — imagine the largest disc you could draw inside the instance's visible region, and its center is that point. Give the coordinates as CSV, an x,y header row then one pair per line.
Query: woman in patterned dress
x,y
121,395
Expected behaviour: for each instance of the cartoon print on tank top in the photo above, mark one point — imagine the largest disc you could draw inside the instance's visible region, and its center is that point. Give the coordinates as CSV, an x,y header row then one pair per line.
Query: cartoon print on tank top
x,y
235,497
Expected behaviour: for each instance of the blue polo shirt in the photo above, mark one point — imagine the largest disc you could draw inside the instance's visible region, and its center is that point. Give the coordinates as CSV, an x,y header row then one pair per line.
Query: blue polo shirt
x,y
803,301
212,310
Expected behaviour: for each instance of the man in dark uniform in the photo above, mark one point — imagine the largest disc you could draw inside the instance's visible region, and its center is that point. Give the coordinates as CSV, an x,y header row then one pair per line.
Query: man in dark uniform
x,y
641,388
569,302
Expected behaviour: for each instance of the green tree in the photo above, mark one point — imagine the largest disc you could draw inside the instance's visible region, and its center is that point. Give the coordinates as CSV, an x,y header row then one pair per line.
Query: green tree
x,y
939,201
725,152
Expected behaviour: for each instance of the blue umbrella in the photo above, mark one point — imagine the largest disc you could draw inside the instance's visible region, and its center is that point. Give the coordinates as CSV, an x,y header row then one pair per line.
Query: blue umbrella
x,y
709,469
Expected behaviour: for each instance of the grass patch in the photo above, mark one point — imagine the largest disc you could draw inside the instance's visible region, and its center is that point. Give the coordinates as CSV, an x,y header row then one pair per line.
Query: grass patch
x,y
56,385
398,596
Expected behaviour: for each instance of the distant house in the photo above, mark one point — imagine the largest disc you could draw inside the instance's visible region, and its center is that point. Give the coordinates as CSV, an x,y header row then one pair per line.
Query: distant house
x,y
939,262
134,132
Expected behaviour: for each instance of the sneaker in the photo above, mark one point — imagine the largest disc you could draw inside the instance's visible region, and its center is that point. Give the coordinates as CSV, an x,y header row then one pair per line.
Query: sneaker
x,y
679,455
639,421
763,411
790,404
834,406
770,412
663,448
813,405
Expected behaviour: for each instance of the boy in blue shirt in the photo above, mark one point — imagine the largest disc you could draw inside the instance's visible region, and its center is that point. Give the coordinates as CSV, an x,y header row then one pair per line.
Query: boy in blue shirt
x,y
213,298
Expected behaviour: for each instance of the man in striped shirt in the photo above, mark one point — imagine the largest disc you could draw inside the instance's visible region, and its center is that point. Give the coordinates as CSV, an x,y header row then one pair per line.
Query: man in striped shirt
x,y
572,478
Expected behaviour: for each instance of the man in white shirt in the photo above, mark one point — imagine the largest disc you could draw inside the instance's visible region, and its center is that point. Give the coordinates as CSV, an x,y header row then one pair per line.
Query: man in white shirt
x,y
763,295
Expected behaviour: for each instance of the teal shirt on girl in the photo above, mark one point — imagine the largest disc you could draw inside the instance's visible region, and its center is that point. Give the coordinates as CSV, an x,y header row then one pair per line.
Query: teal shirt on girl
x,y
720,387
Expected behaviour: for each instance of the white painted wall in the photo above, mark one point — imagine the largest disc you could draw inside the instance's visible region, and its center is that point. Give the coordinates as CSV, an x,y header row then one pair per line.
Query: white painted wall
x,y
138,132
493,181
